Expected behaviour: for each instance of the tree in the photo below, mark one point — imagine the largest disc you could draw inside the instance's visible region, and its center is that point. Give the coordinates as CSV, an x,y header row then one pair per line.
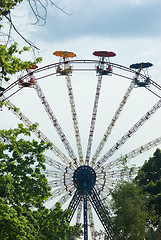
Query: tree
x,y
56,226
130,212
149,178
22,186
21,165
136,202
36,225
7,6
13,225
38,9
10,63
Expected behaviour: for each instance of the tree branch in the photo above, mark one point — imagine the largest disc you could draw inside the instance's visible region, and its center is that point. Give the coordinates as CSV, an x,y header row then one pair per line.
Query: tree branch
x,y
27,41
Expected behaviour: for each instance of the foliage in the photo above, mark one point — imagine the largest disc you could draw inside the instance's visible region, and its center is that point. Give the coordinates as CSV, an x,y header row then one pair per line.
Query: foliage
x,y
130,213
6,6
22,186
151,170
100,235
35,225
136,202
14,225
10,63
127,172
55,226
149,178
21,180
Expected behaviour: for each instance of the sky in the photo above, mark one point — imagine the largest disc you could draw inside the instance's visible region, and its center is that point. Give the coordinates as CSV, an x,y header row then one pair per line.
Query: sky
x,y
105,19
131,29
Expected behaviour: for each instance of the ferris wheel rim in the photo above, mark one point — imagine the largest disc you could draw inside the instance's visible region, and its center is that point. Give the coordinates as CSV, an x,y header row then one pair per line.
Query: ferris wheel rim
x,y
71,190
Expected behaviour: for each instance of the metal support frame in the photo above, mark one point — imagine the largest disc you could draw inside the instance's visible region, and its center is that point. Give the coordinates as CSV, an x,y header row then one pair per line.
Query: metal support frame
x,y
84,179
74,203
102,213
85,215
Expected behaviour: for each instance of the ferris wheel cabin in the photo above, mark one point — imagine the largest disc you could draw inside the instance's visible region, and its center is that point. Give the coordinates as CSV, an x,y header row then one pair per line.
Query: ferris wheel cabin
x,y
139,66
104,67
64,68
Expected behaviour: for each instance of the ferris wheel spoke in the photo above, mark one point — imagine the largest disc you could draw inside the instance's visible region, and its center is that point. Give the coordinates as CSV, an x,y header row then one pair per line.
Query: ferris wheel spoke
x,y
58,191
127,135
107,179
38,133
79,212
102,186
57,165
52,173
56,124
104,175
56,183
55,193
105,199
65,176
108,182
133,153
65,197
65,183
93,121
74,203
104,196
110,177
75,121
112,123
91,221
101,212
59,177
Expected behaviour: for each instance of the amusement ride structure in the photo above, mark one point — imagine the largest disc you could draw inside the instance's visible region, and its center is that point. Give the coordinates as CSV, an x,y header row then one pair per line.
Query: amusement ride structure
x,y
83,179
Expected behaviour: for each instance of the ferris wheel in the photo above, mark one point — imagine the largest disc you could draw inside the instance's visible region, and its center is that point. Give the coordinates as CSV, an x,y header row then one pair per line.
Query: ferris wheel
x,y
76,176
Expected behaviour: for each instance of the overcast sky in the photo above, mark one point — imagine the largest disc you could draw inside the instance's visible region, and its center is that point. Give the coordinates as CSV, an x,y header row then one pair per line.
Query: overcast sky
x,y
110,19
128,27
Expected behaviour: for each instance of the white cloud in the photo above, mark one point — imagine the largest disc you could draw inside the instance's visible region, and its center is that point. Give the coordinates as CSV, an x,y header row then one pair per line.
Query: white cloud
x,y
103,19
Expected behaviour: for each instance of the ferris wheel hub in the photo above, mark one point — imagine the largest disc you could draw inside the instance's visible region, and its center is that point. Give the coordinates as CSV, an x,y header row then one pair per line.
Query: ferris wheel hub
x,y
84,178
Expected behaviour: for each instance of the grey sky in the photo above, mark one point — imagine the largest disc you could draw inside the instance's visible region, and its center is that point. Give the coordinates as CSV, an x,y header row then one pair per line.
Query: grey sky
x,y
105,19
